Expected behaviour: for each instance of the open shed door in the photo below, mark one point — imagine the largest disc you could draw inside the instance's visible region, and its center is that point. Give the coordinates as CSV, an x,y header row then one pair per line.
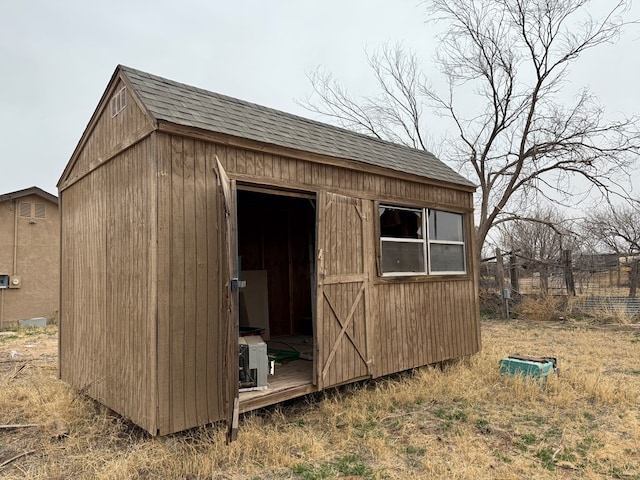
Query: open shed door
x,y
342,330
228,232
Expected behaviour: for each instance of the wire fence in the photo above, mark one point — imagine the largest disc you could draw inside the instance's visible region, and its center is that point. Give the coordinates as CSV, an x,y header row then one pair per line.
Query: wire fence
x,y
603,282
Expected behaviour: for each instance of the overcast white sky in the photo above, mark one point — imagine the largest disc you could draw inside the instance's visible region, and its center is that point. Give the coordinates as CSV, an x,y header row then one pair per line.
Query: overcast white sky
x,y
56,58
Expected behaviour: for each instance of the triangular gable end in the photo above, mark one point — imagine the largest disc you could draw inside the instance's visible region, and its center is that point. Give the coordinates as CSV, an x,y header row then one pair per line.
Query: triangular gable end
x,y
119,121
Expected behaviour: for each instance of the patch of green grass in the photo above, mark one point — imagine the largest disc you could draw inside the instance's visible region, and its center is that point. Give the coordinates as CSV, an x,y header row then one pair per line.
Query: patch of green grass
x,y
367,429
349,465
419,451
32,331
310,472
528,439
5,338
449,417
552,432
483,425
525,441
537,420
567,455
441,413
504,458
545,455
444,414
587,444
617,472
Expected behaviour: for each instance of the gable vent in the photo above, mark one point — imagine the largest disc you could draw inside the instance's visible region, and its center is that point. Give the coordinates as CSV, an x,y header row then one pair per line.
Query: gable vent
x,y
40,210
118,102
25,209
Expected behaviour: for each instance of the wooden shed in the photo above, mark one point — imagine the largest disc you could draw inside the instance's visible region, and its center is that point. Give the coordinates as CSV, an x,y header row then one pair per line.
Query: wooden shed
x,y
359,248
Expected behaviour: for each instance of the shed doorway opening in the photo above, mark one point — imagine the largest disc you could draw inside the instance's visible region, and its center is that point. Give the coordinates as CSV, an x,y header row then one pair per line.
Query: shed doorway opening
x,y
276,253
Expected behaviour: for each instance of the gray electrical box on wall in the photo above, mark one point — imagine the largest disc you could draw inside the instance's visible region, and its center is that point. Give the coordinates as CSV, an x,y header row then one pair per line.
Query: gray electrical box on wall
x,y
4,281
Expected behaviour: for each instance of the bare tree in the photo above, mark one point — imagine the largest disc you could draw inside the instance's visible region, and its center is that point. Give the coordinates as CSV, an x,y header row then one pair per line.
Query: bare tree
x,y
617,229
538,241
506,63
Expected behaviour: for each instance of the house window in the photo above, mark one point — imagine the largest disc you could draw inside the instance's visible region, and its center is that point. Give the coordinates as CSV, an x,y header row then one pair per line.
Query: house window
x,y
119,101
418,241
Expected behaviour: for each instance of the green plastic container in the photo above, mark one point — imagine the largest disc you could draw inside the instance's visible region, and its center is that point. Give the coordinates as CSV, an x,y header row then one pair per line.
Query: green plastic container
x,y
539,368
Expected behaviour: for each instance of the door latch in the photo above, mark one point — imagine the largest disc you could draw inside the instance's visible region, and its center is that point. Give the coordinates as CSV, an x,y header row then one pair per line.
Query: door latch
x,y
237,284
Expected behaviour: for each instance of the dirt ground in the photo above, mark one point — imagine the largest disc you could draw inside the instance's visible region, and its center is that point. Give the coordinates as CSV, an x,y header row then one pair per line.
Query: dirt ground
x,y
17,349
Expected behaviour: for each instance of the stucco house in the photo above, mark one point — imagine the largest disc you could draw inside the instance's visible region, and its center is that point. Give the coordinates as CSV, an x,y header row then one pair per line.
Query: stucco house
x,y
29,255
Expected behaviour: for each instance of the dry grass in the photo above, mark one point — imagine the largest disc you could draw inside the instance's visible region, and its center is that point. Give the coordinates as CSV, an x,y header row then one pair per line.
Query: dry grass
x,y
544,308
462,421
541,307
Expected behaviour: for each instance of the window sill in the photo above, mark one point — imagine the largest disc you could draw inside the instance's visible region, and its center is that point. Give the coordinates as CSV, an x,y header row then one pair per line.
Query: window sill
x,y
424,278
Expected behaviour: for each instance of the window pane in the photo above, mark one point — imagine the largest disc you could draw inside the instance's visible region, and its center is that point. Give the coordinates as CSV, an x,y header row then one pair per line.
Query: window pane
x,y
402,257
447,258
400,222
445,226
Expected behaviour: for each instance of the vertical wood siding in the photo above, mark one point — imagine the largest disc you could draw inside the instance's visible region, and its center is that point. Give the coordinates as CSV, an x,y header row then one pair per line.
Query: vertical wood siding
x,y
288,172
110,134
191,323
343,284
107,330
425,323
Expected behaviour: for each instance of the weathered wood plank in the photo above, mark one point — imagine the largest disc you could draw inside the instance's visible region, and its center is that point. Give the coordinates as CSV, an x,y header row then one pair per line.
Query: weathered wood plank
x,y
190,285
215,354
164,189
201,286
177,293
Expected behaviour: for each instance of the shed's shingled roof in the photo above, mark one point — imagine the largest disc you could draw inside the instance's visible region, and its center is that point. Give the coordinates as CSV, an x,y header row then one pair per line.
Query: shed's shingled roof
x,y
194,107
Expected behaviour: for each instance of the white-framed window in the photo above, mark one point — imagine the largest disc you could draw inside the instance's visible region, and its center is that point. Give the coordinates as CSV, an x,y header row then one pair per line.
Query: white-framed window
x,y
421,241
446,242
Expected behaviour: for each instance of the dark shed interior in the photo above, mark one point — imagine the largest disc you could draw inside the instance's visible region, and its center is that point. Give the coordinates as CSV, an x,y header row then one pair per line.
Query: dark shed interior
x,y
276,241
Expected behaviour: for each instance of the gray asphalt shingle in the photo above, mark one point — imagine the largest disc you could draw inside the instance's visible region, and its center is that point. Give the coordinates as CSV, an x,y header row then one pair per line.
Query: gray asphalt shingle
x,y
194,107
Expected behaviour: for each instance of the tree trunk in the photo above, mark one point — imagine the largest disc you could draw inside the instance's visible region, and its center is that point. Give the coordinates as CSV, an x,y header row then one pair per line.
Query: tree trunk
x,y
544,278
514,273
634,276
568,273
500,282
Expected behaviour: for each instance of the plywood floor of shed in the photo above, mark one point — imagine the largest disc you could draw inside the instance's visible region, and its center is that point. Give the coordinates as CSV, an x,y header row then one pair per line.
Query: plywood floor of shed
x,y
291,380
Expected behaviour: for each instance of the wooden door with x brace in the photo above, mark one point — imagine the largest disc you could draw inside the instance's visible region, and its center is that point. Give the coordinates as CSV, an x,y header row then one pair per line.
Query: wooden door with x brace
x,y
343,335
